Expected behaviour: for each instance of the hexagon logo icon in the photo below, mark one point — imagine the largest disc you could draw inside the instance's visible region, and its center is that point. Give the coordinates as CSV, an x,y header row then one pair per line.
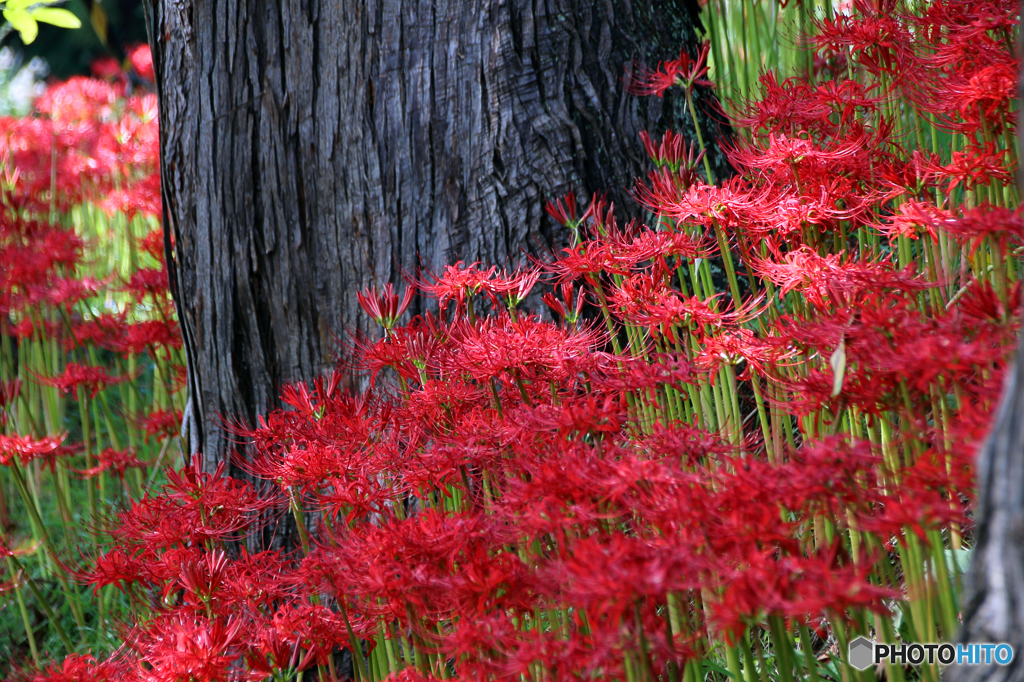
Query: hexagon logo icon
x,y
862,653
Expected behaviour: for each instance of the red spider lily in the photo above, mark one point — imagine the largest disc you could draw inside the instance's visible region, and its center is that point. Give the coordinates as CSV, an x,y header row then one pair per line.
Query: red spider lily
x,y
976,165
141,197
105,68
796,154
114,460
116,566
90,379
828,280
297,395
589,415
910,217
78,99
105,331
67,291
203,578
458,282
647,300
738,345
194,507
179,376
6,551
181,648
685,72
982,306
161,424
962,72
977,224
9,392
669,440
142,61
391,353
879,40
23,330
568,307
606,578
31,257
151,335
588,260
270,653
564,211
673,153
153,244
385,307
147,282
81,668
26,448
922,503
796,103
514,287
600,217
794,586
988,90
526,348
698,203
649,245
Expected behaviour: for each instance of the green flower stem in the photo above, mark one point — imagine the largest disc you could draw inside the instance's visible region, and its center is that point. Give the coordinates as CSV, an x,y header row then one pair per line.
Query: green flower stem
x,y
734,402
783,647
732,662
810,662
361,668
101,479
13,566
26,622
944,587
607,314
44,537
839,629
749,667
917,595
762,418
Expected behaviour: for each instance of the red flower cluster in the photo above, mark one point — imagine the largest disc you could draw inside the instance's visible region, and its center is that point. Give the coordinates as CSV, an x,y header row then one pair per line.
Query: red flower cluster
x,y
766,426
85,316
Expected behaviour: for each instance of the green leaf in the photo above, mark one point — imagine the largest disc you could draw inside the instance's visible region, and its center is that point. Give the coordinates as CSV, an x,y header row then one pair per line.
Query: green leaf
x,y
838,362
960,559
957,562
22,22
56,16
711,665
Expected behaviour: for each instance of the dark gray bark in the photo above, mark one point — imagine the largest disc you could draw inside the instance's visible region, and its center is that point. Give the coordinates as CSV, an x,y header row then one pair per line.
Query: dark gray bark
x,y
311,148
993,603
993,606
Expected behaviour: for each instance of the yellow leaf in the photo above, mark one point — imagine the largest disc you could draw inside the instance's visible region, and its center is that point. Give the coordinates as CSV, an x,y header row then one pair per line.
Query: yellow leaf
x,y
22,22
17,5
56,16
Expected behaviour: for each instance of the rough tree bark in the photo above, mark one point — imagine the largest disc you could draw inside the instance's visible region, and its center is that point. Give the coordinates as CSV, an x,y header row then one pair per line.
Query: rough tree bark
x,y
993,603
310,148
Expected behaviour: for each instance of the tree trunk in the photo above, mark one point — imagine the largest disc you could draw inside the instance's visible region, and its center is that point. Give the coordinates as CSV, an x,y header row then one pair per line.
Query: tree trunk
x,y
309,149
993,603
993,606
